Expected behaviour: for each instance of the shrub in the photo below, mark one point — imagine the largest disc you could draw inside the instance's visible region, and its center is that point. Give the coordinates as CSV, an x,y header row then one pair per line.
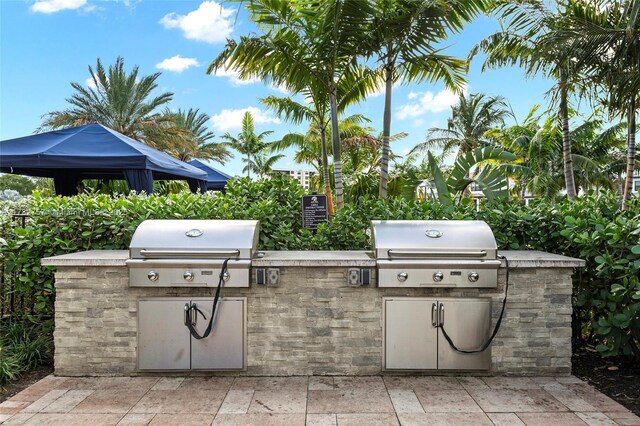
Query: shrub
x,y
606,292
24,345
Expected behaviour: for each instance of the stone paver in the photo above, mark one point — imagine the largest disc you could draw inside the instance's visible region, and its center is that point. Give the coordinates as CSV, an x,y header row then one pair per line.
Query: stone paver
x,y
314,401
236,402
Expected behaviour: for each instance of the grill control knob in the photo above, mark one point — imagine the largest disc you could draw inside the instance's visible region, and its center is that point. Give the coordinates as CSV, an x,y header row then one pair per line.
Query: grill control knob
x,y
153,276
473,276
226,276
188,276
402,276
438,276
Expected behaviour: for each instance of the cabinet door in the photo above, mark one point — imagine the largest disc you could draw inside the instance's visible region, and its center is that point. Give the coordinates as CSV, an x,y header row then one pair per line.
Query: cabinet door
x,y
468,324
224,348
163,339
410,337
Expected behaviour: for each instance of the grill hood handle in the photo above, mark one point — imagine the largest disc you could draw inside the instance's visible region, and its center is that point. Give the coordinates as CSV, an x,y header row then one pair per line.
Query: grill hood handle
x,y
436,253
188,253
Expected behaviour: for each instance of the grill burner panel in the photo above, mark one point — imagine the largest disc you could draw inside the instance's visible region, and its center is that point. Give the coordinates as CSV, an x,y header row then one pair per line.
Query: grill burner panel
x,y
190,253
435,253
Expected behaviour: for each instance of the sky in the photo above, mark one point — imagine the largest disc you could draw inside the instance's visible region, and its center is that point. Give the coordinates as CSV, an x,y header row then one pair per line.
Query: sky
x,y
47,44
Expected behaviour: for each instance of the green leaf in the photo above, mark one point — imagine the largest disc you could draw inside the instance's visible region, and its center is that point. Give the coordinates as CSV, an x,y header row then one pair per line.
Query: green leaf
x,y
617,287
635,249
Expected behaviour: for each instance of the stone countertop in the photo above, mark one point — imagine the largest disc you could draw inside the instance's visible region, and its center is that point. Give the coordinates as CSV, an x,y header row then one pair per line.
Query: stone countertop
x,y
336,258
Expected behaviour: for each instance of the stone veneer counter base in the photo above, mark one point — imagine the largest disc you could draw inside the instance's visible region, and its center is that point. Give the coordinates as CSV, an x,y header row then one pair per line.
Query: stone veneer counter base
x,y
313,322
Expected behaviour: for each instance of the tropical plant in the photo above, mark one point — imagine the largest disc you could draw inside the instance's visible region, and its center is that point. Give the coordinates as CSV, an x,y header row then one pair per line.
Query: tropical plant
x,y
406,37
312,149
470,119
187,137
116,99
262,163
310,48
490,180
523,43
604,37
596,153
247,142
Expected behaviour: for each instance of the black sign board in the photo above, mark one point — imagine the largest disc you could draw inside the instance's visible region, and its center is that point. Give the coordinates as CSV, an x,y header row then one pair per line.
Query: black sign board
x,y
314,211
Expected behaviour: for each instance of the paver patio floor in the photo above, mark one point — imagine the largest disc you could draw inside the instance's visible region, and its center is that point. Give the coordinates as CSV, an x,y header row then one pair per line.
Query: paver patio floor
x,y
264,401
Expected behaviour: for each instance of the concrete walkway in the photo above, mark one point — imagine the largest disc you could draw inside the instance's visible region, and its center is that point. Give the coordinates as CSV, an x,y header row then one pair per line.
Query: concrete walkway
x,y
264,401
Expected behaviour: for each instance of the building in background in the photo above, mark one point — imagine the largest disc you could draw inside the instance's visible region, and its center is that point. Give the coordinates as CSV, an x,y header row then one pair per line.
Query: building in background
x,y
302,176
635,185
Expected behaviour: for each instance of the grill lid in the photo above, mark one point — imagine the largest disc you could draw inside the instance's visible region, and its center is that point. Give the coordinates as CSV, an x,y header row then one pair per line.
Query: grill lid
x,y
468,239
166,239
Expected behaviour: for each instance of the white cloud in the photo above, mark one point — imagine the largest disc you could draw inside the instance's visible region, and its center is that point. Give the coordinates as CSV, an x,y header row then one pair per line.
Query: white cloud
x,y
90,83
417,122
177,64
230,119
427,103
234,77
209,23
53,6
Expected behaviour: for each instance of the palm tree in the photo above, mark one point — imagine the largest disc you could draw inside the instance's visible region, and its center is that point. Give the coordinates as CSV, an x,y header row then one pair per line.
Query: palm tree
x,y
309,145
185,136
262,164
316,113
247,142
310,48
406,37
119,100
522,43
604,37
470,119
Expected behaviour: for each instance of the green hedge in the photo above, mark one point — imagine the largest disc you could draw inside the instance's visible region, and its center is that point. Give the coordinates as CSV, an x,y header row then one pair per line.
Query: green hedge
x,y
606,293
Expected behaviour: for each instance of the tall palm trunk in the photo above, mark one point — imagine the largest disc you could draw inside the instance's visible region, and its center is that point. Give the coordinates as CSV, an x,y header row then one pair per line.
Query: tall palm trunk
x,y
337,151
325,169
248,165
386,131
631,152
566,139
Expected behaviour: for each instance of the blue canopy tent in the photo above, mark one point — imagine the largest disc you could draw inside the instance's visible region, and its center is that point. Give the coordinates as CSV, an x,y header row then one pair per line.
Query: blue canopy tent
x,y
93,151
216,180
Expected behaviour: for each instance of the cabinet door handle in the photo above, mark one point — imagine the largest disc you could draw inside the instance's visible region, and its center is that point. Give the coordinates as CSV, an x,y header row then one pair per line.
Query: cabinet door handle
x,y
194,318
441,315
434,310
186,313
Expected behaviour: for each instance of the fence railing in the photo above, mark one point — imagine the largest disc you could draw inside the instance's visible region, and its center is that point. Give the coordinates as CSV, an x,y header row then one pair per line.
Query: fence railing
x,y
11,303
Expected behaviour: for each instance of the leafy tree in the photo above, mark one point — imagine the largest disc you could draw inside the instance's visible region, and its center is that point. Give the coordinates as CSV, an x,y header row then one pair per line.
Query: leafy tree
x,y
470,119
604,37
523,43
186,137
538,147
262,164
21,184
406,37
247,142
310,48
119,100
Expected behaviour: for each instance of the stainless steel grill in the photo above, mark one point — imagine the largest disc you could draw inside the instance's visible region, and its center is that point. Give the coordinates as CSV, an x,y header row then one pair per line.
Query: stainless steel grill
x,y
190,253
435,253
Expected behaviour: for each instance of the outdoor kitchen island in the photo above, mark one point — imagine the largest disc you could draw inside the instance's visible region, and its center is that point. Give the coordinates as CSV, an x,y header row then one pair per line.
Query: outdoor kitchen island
x,y
311,316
